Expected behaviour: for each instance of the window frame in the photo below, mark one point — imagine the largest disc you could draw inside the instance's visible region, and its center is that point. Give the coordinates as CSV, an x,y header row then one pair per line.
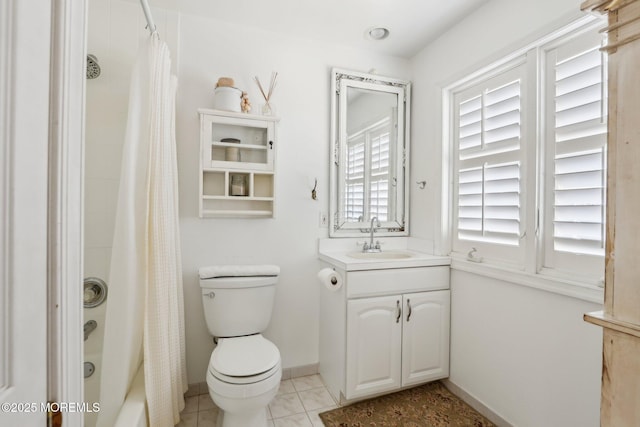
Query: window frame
x,y
531,267
550,261
501,254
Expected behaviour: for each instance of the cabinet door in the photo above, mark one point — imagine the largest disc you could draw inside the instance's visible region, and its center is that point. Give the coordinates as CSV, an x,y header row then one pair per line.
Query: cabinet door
x,y
425,337
237,143
374,333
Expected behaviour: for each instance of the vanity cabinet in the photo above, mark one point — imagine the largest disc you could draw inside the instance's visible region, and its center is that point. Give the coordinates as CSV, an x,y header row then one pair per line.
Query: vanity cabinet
x,y
237,164
396,341
384,329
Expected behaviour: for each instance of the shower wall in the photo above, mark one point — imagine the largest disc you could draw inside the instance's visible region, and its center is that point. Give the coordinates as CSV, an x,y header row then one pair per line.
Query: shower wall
x,y
115,30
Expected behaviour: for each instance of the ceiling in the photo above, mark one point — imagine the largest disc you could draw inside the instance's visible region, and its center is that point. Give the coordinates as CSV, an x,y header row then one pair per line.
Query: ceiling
x,y
412,23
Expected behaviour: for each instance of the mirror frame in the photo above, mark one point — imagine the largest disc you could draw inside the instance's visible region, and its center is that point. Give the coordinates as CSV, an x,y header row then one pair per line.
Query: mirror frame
x,y
341,80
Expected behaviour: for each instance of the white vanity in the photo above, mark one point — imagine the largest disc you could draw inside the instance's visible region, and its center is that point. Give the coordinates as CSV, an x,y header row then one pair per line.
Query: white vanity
x,y
387,327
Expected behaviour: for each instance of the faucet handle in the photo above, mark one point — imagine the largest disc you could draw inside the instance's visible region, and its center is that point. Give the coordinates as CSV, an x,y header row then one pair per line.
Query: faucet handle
x,y
377,244
365,247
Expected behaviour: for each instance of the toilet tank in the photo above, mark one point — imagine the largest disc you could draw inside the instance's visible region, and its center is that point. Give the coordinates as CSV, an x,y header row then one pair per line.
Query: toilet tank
x,y
236,306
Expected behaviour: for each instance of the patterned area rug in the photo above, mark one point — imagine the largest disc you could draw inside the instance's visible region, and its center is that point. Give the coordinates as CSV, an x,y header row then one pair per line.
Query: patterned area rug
x,y
428,405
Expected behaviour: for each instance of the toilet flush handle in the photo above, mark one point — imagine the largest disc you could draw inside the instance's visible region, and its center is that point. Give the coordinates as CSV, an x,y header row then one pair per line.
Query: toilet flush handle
x,y
211,294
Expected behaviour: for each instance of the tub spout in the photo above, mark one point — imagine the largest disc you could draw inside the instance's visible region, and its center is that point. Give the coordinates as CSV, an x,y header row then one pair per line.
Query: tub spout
x,y
89,327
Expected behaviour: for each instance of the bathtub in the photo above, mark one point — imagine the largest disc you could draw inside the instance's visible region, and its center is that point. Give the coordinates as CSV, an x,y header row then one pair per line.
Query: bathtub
x,y
133,412
134,409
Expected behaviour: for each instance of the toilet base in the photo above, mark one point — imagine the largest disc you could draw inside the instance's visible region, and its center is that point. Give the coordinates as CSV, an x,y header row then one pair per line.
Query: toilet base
x,y
239,407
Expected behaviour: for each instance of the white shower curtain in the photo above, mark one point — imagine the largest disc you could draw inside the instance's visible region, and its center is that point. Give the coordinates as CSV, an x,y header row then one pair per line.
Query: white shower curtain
x,y
145,314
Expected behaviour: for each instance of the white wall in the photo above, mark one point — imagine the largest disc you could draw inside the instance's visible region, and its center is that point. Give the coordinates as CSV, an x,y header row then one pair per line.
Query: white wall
x,y
524,353
210,49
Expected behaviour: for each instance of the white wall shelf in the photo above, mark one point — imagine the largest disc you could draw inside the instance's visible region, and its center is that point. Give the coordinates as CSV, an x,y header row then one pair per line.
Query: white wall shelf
x,y
237,179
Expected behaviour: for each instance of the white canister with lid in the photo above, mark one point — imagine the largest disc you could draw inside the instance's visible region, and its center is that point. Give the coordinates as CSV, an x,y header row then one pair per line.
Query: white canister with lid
x,y
232,154
227,98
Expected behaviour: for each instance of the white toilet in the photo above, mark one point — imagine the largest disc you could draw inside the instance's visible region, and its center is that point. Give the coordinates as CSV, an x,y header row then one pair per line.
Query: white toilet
x,y
244,370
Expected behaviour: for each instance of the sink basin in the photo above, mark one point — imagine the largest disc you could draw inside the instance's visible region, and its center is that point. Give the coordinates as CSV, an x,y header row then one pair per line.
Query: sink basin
x,y
380,255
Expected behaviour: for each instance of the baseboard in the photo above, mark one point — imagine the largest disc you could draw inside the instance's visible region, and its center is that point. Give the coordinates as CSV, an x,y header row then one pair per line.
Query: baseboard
x,y
300,371
476,404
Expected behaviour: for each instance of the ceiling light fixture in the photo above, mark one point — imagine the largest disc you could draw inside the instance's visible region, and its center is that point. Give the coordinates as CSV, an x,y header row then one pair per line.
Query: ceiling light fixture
x,y
378,33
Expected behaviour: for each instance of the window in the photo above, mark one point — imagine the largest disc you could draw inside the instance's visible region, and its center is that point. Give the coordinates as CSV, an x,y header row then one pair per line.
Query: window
x,y
528,144
354,188
489,160
488,163
575,141
368,168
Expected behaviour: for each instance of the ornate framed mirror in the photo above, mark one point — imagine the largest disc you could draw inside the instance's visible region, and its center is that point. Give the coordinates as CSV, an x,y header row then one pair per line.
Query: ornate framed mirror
x,y
369,171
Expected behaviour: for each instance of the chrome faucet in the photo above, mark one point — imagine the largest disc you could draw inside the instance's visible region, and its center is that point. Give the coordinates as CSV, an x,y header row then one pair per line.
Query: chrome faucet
x,y
370,247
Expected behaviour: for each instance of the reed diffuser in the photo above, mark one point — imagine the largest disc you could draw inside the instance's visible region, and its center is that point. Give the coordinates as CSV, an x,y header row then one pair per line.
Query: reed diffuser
x,y
267,108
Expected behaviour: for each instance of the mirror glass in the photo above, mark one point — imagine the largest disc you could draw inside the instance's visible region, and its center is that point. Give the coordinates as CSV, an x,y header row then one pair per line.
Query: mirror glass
x,y
369,154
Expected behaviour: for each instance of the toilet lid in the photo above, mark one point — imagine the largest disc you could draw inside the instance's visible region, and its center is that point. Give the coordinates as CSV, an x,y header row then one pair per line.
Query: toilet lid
x,y
244,356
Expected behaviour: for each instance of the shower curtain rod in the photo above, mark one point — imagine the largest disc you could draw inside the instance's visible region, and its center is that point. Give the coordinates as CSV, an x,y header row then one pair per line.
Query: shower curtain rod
x,y
147,14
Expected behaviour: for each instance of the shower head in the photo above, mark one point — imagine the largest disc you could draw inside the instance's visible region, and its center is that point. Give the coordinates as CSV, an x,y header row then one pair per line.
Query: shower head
x,y
93,68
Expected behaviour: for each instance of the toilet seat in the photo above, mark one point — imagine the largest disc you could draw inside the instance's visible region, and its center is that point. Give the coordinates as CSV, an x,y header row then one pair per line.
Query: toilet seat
x,y
245,379
241,360
231,387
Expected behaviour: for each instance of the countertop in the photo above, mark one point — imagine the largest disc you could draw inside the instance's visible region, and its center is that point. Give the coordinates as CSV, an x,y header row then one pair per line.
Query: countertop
x,y
341,260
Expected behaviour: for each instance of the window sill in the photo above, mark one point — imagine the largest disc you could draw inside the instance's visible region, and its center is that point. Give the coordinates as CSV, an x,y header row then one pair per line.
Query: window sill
x,y
569,288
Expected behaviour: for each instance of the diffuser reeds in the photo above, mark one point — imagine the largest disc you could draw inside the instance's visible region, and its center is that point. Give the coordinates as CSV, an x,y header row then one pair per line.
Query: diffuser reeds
x,y
267,96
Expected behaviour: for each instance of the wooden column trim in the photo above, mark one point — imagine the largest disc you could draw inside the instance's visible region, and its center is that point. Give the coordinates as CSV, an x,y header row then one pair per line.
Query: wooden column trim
x,y
620,32
604,6
621,316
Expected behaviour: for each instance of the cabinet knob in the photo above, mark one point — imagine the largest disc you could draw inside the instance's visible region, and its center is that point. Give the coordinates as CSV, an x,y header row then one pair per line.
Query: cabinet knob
x,y
270,145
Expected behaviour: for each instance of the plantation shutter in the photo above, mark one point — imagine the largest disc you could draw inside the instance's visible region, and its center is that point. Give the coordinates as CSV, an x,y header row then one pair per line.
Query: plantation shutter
x,y
578,145
488,134
529,158
367,173
354,185
379,185
489,203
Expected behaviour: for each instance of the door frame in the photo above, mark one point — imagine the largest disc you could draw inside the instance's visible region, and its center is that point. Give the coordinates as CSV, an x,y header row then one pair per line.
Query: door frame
x,y
65,205
42,116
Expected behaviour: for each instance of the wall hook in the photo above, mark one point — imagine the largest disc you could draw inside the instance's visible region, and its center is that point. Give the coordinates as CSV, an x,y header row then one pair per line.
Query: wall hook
x,y
421,184
314,194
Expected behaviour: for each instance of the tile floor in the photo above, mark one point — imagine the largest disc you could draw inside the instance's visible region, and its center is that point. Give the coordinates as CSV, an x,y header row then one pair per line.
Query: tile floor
x,y
297,404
